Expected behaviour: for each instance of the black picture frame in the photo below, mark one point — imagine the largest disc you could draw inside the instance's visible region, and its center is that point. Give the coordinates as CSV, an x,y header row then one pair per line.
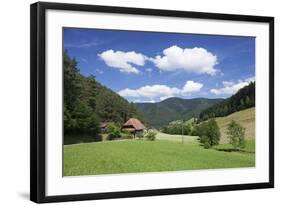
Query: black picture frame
x,y
38,101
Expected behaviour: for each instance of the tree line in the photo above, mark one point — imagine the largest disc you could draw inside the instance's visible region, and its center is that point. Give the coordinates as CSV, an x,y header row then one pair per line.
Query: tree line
x,y
243,99
179,127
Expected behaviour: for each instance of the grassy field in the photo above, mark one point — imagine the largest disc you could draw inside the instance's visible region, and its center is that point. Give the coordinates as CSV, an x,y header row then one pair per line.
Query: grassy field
x,y
131,156
167,153
177,138
245,117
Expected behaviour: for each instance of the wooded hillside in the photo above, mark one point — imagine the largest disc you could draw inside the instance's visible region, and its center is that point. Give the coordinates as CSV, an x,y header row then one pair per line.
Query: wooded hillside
x,y
161,113
243,99
87,102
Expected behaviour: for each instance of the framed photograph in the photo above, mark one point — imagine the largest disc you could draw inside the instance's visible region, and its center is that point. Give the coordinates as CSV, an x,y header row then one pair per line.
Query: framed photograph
x,y
129,102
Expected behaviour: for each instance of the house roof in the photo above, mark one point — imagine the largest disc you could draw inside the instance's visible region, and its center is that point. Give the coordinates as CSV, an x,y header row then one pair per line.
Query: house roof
x,y
135,123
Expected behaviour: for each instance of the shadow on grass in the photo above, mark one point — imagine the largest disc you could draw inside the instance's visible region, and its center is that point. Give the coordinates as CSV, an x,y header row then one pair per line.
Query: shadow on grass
x,y
228,149
233,150
68,140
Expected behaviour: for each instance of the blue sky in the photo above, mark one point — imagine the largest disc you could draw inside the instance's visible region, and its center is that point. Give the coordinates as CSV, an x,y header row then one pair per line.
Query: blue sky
x,y
152,66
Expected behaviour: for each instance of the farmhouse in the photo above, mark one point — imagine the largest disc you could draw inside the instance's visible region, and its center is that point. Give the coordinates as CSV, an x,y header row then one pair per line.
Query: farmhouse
x,y
134,126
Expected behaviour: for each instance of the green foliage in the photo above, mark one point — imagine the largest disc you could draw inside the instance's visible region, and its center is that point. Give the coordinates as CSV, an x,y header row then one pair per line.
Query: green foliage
x,y
127,135
139,135
206,142
179,127
243,99
236,135
161,113
112,127
79,115
114,131
208,132
150,135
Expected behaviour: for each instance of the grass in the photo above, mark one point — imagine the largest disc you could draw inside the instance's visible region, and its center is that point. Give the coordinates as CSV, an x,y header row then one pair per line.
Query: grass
x,y
167,153
245,117
177,138
249,148
131,156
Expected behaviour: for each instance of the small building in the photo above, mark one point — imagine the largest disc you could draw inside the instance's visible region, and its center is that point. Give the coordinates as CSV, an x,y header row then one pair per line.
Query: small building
x,y
134,126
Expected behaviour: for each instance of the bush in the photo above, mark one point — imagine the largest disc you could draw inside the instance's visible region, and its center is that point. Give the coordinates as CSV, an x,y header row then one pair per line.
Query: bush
x,y
151,136
114,131
112,127
208,132
110,137
236,135
207,145
139,135
127,136
206,142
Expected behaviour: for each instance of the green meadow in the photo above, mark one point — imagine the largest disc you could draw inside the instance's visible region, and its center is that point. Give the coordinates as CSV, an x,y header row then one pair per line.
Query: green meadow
x,y
166,153
163,154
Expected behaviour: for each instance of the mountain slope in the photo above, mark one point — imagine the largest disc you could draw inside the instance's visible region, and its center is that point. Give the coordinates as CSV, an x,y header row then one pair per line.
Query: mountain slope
x,y
245,117
161,113
87,103
242,99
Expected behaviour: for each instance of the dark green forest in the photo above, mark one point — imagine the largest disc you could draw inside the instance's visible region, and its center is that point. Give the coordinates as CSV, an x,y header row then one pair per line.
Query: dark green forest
x,y
243,99
87,103
161,113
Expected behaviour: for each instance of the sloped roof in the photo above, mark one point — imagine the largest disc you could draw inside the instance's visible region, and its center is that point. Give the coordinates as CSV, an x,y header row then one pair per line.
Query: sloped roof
x,y
135,123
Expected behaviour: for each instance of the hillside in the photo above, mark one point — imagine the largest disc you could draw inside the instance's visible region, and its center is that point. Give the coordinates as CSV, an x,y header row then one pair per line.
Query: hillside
x,y
242,99
161,113
87,103
245,117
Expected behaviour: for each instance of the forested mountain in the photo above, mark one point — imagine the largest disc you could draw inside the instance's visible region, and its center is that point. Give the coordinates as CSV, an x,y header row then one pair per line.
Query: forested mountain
x,y
161,113
243,99
87,102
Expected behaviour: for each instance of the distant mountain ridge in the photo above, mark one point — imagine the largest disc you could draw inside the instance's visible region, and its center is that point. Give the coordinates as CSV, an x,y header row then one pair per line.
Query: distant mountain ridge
x,y
161,113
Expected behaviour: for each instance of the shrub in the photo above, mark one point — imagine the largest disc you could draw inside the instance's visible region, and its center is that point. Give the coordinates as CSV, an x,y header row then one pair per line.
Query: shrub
x,y
205,141
208,132
110,136
139,135
236,135
112,127
127,136
114,131
151,136
207,145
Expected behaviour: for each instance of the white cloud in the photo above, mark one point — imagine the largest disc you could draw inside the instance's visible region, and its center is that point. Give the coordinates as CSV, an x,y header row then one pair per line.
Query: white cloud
x,y
227,83
144,101
196,60
251,79
149,70
161,91
165,97
230,87
191,87
123,61
150,91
